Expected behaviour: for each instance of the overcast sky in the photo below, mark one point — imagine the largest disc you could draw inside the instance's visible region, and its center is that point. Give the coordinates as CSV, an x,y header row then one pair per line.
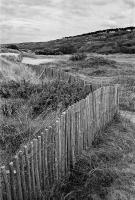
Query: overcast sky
x,y
42,20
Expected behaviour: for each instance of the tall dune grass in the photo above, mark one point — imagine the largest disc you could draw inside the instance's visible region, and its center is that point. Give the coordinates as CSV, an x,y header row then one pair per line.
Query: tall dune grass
x,y
17,72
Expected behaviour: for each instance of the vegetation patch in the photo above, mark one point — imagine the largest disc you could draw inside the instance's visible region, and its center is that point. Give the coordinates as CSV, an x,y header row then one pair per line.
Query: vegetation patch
x,y
25,105
78,56
127,93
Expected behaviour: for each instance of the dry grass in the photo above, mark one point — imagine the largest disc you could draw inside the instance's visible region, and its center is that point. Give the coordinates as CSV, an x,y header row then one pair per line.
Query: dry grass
x,y
17,72
127,93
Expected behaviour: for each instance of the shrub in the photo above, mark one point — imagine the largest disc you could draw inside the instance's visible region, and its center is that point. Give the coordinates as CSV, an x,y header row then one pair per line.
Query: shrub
x,y
13,46
67,49
56,93
61,49
129,50
22,89
78,56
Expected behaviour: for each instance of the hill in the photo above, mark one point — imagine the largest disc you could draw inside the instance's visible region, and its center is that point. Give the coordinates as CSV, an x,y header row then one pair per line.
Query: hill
x,y
119,40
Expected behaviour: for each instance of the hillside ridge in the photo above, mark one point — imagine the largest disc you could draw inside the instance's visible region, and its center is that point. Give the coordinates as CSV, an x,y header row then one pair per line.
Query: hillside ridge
x,y
118,40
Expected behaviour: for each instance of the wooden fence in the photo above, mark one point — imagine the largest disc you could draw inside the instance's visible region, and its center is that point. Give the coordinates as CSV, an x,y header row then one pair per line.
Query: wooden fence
x,y
52,154
60,74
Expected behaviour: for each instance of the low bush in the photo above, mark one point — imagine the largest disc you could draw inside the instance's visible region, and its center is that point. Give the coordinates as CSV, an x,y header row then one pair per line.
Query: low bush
x,y
60,50
12,46
78,56
22,89
58,93
128,50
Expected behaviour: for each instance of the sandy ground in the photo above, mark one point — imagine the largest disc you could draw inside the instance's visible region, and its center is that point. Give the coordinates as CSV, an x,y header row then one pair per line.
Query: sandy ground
x,y
37,61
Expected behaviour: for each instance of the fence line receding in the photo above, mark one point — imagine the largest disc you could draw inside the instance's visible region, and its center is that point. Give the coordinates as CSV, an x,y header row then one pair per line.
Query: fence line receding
x,y
51,155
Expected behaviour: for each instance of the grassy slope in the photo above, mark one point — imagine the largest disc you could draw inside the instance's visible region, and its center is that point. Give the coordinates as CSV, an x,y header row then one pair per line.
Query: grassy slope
x,y
99,42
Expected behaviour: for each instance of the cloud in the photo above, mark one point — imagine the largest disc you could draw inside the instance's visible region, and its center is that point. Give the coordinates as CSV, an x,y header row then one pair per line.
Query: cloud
x,y
118,16
109,24
130,3
41,20
101,2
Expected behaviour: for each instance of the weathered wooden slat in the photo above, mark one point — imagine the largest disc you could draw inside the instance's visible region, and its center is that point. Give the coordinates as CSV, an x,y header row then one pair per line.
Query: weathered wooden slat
x,y
85,126
57,149
12,181
63,144
73,134
33,171
6,182
81,125
40,160
1,189
54,153
48,156
22,173
18,175
29,181
36,169
68,136
46,179
88,121
51,159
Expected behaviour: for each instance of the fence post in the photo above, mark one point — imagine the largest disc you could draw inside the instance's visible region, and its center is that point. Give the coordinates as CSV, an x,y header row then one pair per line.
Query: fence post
x,y
35,143
28,172
22,173
45,149
12,181
63,144
1,188
50,155
73,134
88,121
68,136
39,160
32,171
57,149
17,165
6,182
42,160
